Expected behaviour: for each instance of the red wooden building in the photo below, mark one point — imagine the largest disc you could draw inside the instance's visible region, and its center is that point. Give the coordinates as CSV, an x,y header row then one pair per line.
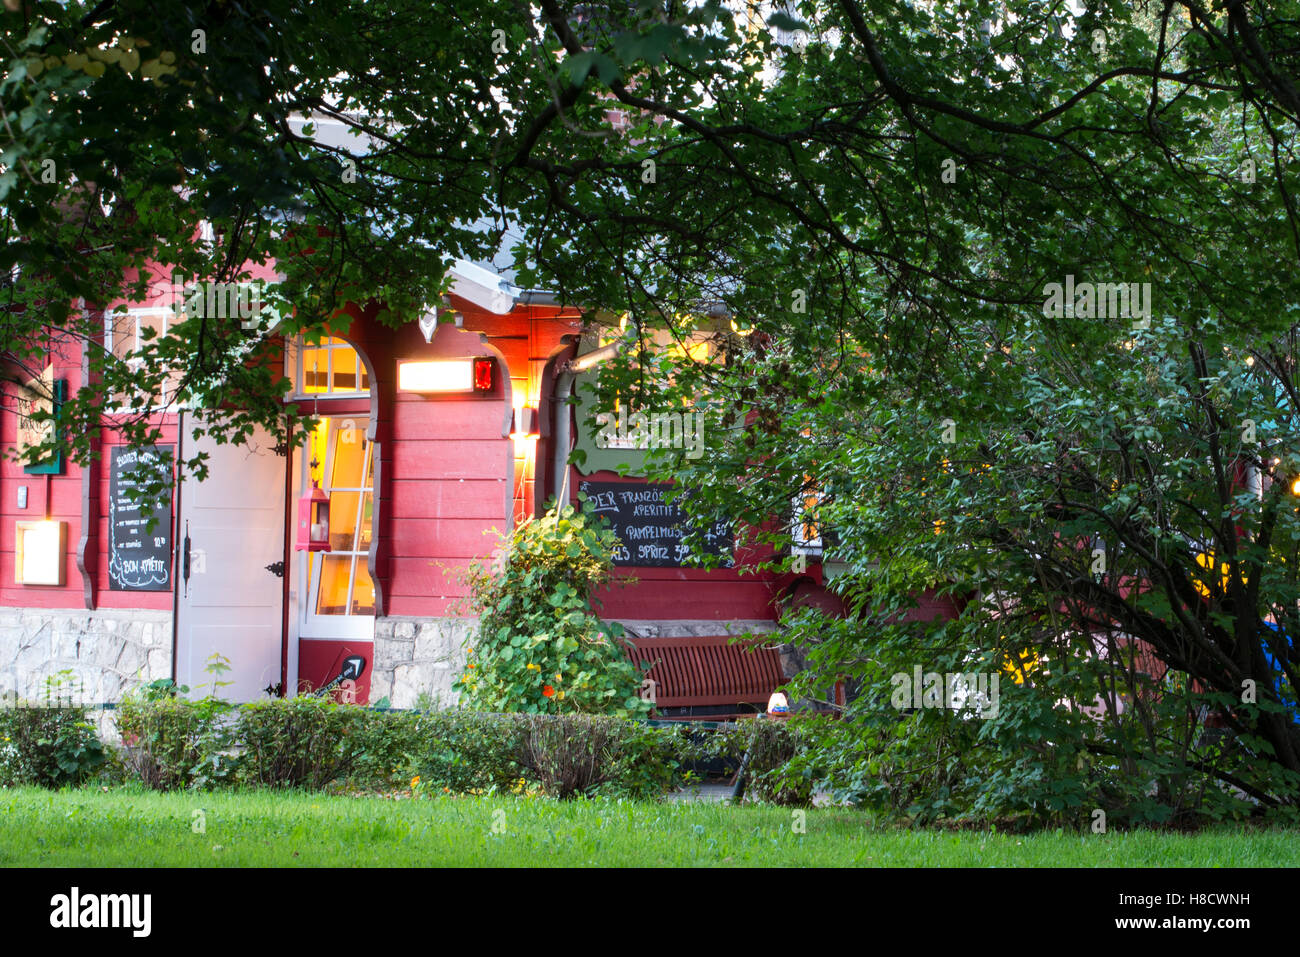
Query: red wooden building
x,y
433,439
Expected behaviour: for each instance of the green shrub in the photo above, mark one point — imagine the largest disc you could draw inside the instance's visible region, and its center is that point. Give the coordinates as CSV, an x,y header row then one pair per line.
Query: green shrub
x,y
386,743
49,747
574,755
649,761
561,755
767,749
164,741
171,742
467,752
301,742
1033,761
538,648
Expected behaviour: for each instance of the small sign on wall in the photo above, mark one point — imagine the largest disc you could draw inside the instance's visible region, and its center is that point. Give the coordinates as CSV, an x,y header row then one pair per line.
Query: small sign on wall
x,y
650,530
37,405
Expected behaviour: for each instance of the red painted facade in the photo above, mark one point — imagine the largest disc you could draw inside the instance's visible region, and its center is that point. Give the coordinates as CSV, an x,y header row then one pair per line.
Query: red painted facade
x,y
448,481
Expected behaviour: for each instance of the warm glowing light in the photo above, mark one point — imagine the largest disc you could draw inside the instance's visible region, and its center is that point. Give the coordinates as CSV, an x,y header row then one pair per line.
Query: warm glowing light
x,y
39,548
436,375
1021,666
697,352
1295,486
524,426
1225,572
777,704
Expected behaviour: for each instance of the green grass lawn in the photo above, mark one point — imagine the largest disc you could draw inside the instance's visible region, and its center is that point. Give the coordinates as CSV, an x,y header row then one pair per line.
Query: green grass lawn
x,y
123,827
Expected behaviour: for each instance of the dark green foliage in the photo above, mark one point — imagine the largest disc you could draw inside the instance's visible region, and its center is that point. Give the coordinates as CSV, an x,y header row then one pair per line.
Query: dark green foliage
x,y
572,755
539,648
301,742
1034,761
47,746
166,741
766,747
173,742
467,752
312,743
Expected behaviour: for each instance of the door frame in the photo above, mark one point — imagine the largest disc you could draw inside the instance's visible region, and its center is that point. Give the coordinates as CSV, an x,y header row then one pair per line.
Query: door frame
x,y
294,582
307,588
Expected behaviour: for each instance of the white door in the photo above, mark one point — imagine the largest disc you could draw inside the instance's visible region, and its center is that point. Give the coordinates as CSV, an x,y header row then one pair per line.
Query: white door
x,y
230,603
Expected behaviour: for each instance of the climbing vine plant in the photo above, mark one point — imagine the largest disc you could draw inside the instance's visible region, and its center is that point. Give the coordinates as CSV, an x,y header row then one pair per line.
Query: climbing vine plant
x,y
539,647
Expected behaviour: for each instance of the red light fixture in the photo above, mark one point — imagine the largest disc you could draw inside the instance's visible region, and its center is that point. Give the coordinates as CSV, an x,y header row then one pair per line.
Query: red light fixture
x,y
314,521
483,374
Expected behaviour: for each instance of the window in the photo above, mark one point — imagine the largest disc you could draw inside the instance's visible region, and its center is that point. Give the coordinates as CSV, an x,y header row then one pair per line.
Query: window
x,y
805,532
330,367
340,459
125,334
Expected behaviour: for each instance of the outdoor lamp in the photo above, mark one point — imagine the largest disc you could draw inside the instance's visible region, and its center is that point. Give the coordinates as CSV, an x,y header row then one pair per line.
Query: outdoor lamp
x,y
432,376
524,424
39,548
314,521
777,706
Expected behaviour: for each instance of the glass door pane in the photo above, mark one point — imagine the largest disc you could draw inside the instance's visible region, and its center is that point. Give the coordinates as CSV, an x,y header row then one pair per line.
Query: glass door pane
x,y
340,592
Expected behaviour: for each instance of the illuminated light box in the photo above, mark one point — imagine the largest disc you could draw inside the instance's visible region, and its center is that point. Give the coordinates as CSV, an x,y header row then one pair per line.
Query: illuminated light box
x,y
434,376
38,552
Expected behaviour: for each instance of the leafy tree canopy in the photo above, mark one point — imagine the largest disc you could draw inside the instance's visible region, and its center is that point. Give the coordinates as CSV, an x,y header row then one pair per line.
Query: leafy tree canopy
x,y
876,210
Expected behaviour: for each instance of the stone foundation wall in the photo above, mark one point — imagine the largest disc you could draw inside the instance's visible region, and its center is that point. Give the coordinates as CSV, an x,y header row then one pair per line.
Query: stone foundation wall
x,y
107,651
417,657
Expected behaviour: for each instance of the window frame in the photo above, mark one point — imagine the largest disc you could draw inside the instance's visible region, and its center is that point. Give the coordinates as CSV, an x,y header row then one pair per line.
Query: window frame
x,y
348,625
295,351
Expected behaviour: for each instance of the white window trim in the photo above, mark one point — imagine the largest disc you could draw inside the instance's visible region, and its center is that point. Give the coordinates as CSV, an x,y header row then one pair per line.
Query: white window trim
x,y
799,545
135,315
346,626
294,351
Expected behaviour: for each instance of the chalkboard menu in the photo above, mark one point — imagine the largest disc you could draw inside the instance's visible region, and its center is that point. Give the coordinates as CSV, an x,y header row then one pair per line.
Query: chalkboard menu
x,y
649,529
139,556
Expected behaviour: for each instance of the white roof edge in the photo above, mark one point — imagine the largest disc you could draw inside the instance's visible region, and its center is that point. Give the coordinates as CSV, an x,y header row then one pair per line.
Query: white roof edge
x,y
483,287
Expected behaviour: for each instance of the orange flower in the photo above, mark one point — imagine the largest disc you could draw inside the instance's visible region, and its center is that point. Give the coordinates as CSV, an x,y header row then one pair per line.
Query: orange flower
x,y
547,690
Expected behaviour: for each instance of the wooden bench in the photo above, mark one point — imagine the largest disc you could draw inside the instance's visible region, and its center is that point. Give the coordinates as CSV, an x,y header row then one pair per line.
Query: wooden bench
x,y
709,677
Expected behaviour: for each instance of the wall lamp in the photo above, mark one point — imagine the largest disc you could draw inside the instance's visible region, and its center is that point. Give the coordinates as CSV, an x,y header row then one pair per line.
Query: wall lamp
x,y
445,376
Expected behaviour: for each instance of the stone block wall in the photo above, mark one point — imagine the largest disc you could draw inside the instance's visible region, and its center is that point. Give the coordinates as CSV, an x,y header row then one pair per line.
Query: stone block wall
x,y
417,657
107,651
